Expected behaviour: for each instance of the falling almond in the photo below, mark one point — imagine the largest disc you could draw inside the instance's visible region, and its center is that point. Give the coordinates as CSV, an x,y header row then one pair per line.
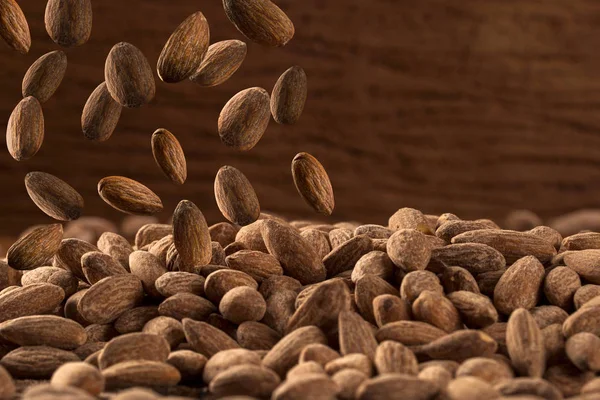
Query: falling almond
x,y
220,62
14,28
69,22
169,155
289,96
25,130
129,196
54,196
312,182
100,115
45,75
236,197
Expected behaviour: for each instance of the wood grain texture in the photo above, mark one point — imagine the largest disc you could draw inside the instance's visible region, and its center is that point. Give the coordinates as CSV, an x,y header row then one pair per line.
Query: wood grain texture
x,y
465,106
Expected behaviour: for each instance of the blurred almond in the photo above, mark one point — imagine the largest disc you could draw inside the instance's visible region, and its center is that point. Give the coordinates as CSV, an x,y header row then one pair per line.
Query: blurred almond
x,y
459,346
140,373
260,21
387,386
35,362
182,54
45,75
69,22
25,129
100,115
246,380
235,196
13,26
129,196
221,61
313,184
35,248
355,335
394,357
169,156
54,196
80,375
128,76
289,96
7,384
525,344
134,346
44,330
409,333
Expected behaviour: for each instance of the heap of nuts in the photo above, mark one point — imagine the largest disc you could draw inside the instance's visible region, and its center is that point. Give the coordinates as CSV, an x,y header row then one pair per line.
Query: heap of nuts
x,y
258,307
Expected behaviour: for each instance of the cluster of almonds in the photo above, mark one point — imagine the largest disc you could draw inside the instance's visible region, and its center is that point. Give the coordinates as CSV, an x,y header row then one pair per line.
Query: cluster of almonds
x,y
129,82
426,308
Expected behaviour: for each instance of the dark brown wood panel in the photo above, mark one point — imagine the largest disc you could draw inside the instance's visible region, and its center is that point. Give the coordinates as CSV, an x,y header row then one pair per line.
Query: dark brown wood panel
x,y
475,107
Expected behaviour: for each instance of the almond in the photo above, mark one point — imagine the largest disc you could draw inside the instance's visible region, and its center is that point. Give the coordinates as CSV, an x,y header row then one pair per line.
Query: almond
x,y
69,256
455,279
7,385
235,196
256,336
450,229
148,268
409,333
35,248
389,308
356,335
476,258
56,276
289,96
97,265
247,380
307,386
186,305
134,346
227,359
525,344
48,391
189,363
191,236
221,61
260,21
129,196
69,22
348,380
134,320
25,129
258,265
284,355
35,362
206,339
459,346
220,282
387,386
585,263
150,232
182,54
470,388
80,375
141,373
519,286
416,282
312,183
54,196
44,330
13,26
583,349
172,283
242,304
45,75
367,289
39,298
128,76
244,119
486,369
166,327
435,309
529,386
476,310
169,155
100,115
560,285
345,256
409,218
394,357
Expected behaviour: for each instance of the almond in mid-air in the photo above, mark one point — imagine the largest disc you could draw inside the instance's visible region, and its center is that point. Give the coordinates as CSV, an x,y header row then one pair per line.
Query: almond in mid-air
x,y
54,196
169,155
260,21
100,115
220,62
184,50
25,130
129,196
245,118
313,184
128,76
14,28
289,96
236,197
45,75
69,22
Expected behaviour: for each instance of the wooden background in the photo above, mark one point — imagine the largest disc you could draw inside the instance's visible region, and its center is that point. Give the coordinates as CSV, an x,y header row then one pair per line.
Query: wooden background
x,y
475,107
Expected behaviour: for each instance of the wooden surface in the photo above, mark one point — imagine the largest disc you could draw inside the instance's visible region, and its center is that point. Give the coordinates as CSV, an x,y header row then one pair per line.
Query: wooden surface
x,y
475,107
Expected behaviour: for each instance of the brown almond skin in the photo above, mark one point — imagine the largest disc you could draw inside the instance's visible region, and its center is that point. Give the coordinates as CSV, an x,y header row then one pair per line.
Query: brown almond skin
x,y
206,339
242,304
385,387
141,373
128,76
585,263
476,258
476,310
221,61
390,308
7,384
294,253
583,349
56,276
235,196
312,183
246,380
100,115
148,268
110,297
284,355
167,327
35,362
258,265
309,386
129,196
449,229
190,364
289,95
148,233
25,129
409,249
394,357
519,286
69,256
172,283
35,248
486,369
80,375
437,310
409,218
13,26
69,22
260,21
525,344
459,346
44,330
366,290
226,359
45,75
560,286
182,54
191,236
356,335
529,386
218,283
169,155
256,336
134,346
97,265
186,305
134,320
244,119
416,282
344,257
54,196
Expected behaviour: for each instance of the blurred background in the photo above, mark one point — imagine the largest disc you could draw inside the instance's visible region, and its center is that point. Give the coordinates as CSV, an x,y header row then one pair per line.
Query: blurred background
x,y
465,106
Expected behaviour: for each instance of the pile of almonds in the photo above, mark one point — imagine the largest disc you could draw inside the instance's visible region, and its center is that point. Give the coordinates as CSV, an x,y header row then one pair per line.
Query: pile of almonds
x,y
425,308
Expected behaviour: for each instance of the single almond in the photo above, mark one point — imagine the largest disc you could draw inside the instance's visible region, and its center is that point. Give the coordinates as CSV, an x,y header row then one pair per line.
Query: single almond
x,y
309,386
583,349
148,268
140,373
236,197
260,21
133,320
585,263
409,249
148,233
48,391
519,286
54,196
172,283
476,258
186,305
100,115
129,196
110,297
525,344
258,265
394,357
244,119
25,129
226,359
459,346
409,218
190,364
36,362
344,257
115,246
245,380
585,294
134,346
56,276
456,279
437,310
221,61
486,369
169,155
220,282
191,236
242,304
294,253
356,335
35,248
79,375
45,75
348,380
476,310
312,183
289,95
69,256
389,308
449,229
416,282
280,308
182,54
168,328
529,386
44,330
69,22
366,290
128,76
206,339
470,388
13,26
256,336
387,387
